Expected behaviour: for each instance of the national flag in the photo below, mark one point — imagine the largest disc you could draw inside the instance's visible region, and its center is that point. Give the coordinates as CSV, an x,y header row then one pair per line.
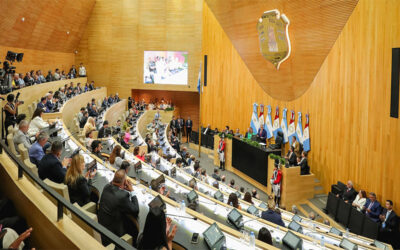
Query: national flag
x,y
291,128
268,123
276,127
254,119
199,80
284,126
299,129
261,116
306,136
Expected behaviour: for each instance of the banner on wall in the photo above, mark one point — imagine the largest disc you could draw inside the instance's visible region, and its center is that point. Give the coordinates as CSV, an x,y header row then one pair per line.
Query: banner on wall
x,y
299,129
268,123
254,124
276,127
284,126
291,128
306,135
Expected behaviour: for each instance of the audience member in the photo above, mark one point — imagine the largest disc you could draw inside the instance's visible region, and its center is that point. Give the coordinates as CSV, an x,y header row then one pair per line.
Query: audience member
x,y
50,167
82,71
84,119
21,136
249,134
189,125
349,194
233,201
37,123
215,175
137,154
115,157
247,197
271,215
89,139
291,157
296,146
360,200
265,236
311,216
389,224
36,152
304,168
79,186
254,194
103,131
372,207
90,125
118,206
11,111
96,149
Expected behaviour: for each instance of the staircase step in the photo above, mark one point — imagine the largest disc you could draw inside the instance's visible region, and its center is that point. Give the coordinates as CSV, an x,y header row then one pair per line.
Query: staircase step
x,y
318,190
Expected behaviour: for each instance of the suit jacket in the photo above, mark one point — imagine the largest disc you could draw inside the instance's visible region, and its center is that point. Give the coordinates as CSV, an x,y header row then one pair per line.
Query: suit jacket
x,y
375,210
349,195
391,223
173,124
272,216
189,124
292,159
101,133
40,105
93,113
304,168
297,149
79,192
262,135
51,168
49,105
115,206
215,176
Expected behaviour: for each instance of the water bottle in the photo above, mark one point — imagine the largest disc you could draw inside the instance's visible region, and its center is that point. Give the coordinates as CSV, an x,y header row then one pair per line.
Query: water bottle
x,y
322,242
150,189
183,206
252,240
347,233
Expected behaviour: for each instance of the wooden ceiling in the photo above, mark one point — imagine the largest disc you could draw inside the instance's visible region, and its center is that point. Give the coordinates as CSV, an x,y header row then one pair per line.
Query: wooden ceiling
x,y
46,23
314,27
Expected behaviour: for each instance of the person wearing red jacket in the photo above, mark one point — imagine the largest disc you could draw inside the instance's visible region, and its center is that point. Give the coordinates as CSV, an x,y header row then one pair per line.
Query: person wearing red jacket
x,y
221,152
276,181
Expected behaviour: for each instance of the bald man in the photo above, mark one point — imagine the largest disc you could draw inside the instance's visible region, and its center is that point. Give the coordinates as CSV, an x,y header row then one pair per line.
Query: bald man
x,y
21,136
118,205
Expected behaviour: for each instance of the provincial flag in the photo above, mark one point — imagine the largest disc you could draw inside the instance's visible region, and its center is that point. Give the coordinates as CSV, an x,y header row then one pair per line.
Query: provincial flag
x,y
261,116
254,124
284,126
299,129
291,128
306,136
276,127
268,123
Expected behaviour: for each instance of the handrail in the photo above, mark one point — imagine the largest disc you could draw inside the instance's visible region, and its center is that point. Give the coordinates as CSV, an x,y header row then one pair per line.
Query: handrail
x,y
62,202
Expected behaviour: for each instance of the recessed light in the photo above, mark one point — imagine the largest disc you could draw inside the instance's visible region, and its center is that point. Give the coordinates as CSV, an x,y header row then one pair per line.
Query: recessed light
x,y
67,32
23,19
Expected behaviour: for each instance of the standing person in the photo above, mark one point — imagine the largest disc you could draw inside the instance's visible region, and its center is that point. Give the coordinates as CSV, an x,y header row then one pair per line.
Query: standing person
x,y
189,125
11,110
82,71
221,152
276,181
181,125
296,146
72,72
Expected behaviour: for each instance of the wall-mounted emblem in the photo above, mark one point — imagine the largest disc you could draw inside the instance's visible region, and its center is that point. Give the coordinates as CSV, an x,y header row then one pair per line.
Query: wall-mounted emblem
x,y
274,37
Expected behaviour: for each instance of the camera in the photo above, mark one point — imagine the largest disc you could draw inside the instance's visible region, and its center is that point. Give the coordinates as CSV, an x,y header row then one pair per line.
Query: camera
x,y
16,99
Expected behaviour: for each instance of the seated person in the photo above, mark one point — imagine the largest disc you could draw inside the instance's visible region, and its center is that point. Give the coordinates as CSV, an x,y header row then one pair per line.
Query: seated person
x,y
237,133
80,114
21,136
349,194
37,123
262,134
36,152
232,184
42,104
51,167
89,139
96,149
234,201
389,224
49,102
110,100
264,235
103,132
78,185
89,126
93,112
104,104
271,215
360,200
115,157
126,124
291,157
304,168
136,153
117,128
254,194
84,119
247,197
125,165
215,175
118,206
372,207
158,232
127,136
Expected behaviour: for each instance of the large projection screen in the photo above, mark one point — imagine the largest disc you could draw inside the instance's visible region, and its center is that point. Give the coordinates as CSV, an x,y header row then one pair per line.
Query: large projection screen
x,y
165,67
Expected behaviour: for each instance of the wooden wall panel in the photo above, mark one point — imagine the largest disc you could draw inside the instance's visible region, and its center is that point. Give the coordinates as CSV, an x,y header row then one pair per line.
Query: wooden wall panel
x,y
119,32
187,103
314,28
46,23
352,134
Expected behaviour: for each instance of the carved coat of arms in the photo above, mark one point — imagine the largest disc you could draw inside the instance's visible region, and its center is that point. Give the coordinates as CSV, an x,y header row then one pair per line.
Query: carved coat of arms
x,y
274,37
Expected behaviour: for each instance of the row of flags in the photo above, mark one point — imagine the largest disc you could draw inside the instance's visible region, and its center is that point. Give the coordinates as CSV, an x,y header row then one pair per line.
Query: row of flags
x,y
272,128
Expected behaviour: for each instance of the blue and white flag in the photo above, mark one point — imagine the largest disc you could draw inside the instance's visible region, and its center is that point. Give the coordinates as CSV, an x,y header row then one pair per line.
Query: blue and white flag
x,y
268,123
276,127
291,128
199,81
261,116
284,126
254,124
306,136
299,129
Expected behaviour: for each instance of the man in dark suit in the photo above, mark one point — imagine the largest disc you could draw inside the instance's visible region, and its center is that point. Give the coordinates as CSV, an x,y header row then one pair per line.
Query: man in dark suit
x,y
51,167
372,207
189,125
291,157
349,194
389,224
93,112
272,216
96,149
181,126
173,124
303,163
103,130
262,134
42,104
118,208
215,175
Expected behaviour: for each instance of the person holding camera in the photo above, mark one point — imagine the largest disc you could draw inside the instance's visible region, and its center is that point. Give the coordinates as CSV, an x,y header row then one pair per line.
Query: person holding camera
x,y
11,111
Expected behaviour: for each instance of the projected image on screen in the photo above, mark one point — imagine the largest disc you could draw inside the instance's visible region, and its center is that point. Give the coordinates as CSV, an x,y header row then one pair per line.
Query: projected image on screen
x,y
165,67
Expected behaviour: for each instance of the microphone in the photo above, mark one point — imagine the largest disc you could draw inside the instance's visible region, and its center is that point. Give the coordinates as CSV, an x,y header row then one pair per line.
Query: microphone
x,y
180,216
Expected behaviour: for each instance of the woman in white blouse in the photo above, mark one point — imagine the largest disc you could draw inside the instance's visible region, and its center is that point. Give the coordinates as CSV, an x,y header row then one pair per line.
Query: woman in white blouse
x,y
37,122
360,200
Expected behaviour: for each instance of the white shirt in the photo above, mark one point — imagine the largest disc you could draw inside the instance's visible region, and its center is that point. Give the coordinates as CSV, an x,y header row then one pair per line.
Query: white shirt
x,y
82,71
359,201
57,76
36,125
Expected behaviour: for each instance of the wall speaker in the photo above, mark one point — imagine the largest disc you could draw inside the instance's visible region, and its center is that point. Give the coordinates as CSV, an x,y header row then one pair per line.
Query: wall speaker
x,y
394,93
205,70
